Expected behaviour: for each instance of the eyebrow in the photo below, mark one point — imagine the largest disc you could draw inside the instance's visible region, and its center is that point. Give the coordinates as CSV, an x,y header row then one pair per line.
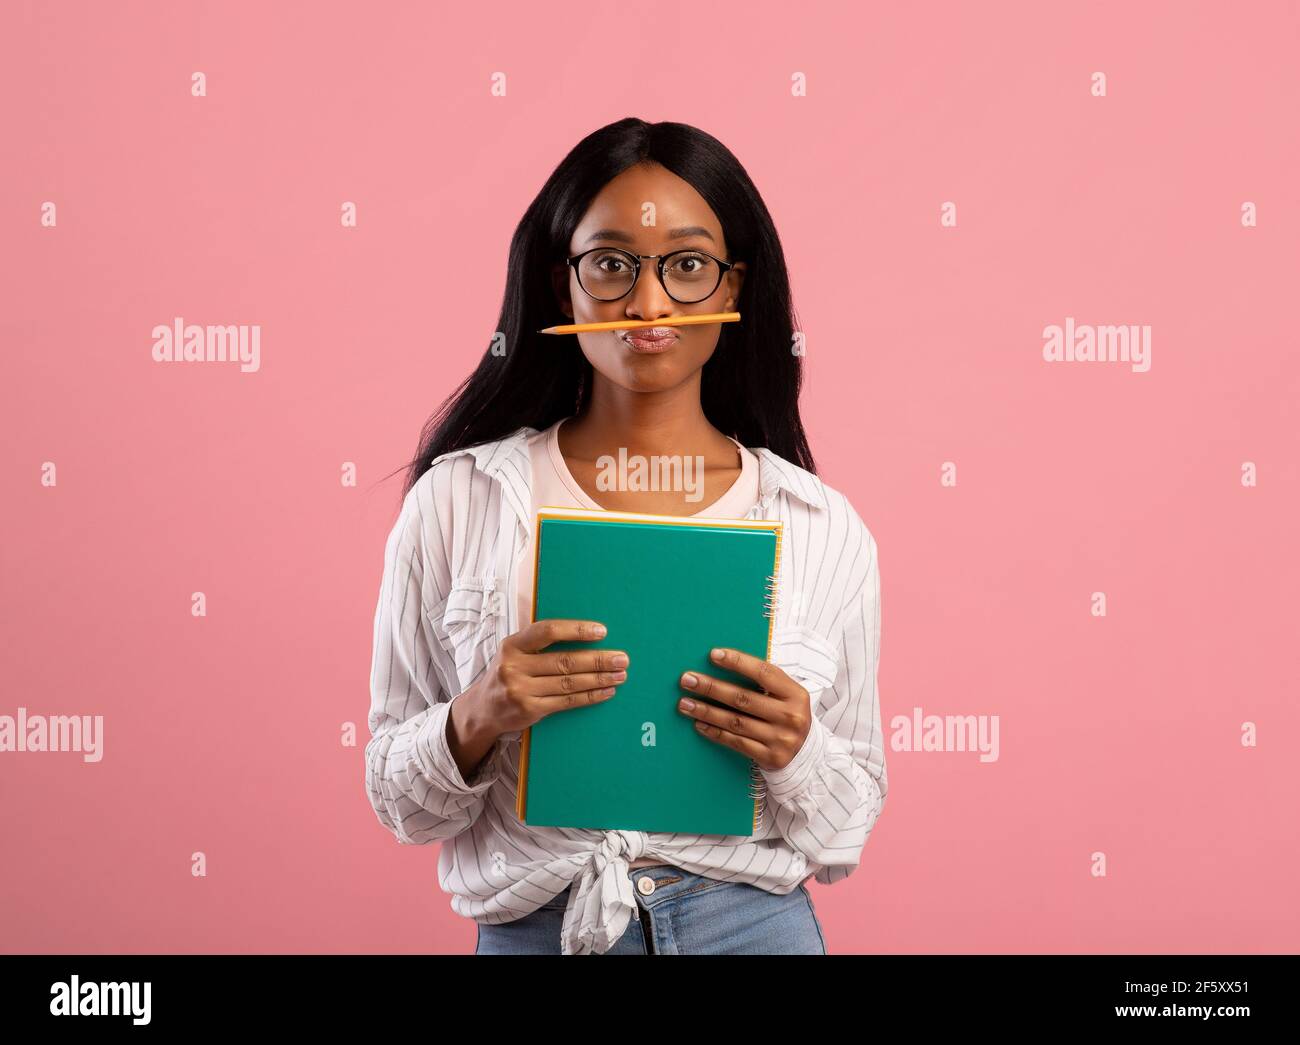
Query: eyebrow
x,y
623,237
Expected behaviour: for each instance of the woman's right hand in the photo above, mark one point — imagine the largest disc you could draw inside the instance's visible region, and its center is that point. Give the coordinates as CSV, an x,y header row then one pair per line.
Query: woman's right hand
x,y
522,684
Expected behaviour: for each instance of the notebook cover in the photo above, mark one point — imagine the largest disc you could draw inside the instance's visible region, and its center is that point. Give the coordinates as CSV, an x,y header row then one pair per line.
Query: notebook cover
x,y
669,589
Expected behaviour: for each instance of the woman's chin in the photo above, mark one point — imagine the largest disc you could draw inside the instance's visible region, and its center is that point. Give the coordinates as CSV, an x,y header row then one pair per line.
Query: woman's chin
x,y
647,372
652,374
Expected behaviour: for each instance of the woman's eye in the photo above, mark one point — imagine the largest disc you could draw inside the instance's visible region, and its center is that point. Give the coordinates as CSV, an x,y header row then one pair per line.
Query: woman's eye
x,y
689,264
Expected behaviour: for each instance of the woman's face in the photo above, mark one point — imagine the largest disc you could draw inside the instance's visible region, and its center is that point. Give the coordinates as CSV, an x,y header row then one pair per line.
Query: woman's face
x,y
682,220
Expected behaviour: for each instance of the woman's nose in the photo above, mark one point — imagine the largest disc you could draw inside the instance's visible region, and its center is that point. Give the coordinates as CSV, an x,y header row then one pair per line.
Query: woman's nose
x,y
648,299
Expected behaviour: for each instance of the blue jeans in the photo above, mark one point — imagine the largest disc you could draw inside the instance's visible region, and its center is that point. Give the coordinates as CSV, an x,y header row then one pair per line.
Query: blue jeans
x,y
685,914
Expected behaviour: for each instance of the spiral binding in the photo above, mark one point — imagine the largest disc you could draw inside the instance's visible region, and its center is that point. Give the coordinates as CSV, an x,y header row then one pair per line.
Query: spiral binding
x,y
758,792
771,598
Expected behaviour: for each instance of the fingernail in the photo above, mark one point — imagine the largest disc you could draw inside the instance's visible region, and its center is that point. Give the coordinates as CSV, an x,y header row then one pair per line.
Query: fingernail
x,y
619,660
620,676
686,705
599,631
607,692
716,654
690,680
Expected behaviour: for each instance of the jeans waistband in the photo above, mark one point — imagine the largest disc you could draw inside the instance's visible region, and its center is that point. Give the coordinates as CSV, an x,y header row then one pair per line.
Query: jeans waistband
x,y
670,882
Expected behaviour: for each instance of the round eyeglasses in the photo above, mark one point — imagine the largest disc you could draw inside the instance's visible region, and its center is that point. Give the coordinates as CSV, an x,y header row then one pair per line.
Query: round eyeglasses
x,y
687,276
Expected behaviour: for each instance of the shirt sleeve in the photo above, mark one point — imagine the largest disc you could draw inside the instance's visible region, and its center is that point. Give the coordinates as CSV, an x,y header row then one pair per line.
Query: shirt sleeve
x,y
414,783
828,798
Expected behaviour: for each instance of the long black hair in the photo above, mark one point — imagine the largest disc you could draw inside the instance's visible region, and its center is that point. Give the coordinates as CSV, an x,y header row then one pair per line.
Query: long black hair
x,y
749,388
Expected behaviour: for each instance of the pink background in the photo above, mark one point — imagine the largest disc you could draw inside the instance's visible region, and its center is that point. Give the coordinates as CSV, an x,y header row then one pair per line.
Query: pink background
x,y
222,734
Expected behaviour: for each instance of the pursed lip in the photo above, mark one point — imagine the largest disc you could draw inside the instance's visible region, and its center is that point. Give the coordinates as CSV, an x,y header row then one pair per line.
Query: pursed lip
x,y
649,339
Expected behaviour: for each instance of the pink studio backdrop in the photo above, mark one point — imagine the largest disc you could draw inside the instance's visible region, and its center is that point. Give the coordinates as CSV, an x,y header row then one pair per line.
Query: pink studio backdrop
x,y
1119,734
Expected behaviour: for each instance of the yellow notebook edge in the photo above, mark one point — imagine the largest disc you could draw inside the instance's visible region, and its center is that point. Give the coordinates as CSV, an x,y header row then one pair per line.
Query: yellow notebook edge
x,y
758,783
759,789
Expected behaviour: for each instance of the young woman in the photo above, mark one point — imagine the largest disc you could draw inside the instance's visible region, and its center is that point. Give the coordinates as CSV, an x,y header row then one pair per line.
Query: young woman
x,y
639,222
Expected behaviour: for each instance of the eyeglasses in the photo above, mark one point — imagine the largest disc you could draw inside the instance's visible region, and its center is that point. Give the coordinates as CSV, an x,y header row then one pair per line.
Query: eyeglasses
x,y
688,276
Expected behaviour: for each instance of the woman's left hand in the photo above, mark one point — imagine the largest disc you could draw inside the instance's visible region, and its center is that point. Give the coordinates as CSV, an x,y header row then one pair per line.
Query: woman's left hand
x,y
769,726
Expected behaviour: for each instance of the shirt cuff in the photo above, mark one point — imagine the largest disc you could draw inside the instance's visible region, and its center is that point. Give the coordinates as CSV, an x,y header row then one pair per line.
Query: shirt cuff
x,y
438,764
785,783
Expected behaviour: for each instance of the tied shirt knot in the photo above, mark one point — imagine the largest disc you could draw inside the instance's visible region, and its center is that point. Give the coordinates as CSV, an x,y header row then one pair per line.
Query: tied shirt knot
x,y
602,901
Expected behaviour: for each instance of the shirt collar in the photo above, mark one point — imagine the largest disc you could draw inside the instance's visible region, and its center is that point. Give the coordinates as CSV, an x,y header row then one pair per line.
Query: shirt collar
x,y
776,473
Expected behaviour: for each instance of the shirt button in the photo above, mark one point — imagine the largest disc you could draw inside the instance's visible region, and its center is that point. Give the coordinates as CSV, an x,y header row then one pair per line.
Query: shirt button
x,y
645,885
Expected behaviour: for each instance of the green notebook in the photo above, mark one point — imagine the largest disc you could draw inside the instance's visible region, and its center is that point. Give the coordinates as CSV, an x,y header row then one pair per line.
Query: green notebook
x,y
669,589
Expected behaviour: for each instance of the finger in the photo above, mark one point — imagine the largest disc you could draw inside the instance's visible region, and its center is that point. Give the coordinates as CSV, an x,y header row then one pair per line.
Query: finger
x,y
541,633
760,705
747,747
550,705
728,719
571,661
551,685
769,677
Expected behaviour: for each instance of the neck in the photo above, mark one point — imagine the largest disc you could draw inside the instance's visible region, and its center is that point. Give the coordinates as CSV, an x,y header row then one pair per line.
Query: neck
x,y
648,423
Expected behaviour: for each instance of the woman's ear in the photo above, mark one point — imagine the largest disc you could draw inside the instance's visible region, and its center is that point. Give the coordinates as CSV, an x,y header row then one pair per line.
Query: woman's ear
x,y
735,279
560,282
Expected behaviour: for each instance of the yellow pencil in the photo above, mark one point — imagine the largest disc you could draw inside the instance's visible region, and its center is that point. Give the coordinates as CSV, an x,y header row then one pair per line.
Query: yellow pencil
x,y
632,324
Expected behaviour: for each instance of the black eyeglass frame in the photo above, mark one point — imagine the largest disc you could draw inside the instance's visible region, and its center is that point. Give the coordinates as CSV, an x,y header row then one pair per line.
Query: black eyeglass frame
x,y
724,266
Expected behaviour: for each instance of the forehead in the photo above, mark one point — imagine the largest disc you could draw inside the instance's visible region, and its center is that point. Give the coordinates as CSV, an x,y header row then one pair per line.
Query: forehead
x,y
622,205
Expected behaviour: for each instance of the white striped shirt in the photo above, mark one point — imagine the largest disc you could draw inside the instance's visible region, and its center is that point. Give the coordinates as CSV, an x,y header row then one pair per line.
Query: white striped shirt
x,y
446,602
